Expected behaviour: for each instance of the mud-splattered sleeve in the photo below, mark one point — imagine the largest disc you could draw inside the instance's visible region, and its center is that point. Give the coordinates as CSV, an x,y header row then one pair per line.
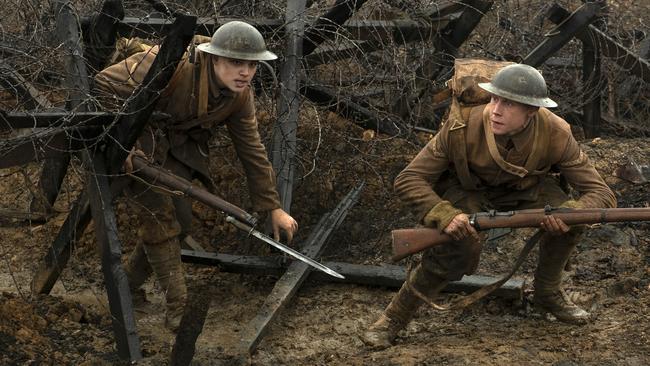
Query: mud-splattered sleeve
x,y
414,184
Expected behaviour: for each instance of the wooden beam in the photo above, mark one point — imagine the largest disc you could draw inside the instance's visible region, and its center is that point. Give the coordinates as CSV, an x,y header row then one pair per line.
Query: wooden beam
x,y
355,29
14,120
592,87
283,149
115,280
63,119
100,33
626,59
326,26
78,87
399,37
58,254
385,275
47,146
295,275
446,44
563,33
25,92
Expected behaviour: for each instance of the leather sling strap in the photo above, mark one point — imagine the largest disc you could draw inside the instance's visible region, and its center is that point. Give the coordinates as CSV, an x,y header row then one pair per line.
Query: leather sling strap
x,y
465,301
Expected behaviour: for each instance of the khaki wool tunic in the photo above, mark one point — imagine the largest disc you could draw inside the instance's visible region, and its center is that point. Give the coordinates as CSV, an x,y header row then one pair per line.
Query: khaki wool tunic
x,y
511,168
197,104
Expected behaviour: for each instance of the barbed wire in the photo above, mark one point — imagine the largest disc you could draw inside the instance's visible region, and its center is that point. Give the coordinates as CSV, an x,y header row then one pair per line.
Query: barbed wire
x,y
391,73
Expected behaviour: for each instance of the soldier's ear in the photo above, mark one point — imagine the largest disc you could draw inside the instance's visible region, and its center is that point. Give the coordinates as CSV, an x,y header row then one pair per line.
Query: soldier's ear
x,y
532,111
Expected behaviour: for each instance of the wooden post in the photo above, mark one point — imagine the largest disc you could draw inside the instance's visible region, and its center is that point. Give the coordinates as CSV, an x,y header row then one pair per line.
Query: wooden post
x,y
591,81
446,44
284,133
385,275
100,33
78,85
98,197
117,286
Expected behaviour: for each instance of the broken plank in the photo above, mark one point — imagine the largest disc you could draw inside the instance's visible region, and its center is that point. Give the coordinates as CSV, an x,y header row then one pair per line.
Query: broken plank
x,y
326,26
15,83
384,275
563,33
295,274
117,287
623,57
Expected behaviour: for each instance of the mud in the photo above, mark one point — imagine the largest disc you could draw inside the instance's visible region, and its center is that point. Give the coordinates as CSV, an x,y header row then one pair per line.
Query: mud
x,y
609,276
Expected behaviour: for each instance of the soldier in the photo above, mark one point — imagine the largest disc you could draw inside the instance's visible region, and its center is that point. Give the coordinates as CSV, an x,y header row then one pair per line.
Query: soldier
x,y
494,156
208,89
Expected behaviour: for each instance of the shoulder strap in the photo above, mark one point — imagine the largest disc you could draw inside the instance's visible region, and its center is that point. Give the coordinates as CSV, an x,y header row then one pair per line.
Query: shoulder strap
x,y
459,118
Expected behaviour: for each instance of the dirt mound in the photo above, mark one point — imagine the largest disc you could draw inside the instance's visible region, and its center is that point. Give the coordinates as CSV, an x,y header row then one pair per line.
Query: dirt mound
x,y
49,330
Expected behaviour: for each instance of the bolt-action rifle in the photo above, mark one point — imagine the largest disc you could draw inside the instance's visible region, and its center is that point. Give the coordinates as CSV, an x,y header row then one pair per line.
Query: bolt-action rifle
x,y
410,241
236,216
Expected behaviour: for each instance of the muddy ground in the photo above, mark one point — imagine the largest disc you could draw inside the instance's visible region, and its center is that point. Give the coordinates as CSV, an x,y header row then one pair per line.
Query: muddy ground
x,y
609,274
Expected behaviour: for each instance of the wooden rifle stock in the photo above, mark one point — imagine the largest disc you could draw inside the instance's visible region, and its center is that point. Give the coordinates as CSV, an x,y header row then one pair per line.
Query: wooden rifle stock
x,y
410,241
157,175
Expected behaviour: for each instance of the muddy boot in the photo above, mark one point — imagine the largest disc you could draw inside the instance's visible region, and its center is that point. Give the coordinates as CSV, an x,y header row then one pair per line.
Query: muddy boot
x,y
165,260
399,312
549,297
137,270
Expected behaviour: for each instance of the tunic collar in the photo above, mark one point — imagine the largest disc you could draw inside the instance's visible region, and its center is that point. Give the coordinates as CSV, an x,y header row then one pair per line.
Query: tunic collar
x,y
523,139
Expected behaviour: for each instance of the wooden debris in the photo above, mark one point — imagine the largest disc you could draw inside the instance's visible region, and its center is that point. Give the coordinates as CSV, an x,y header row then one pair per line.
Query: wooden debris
x,y
385,275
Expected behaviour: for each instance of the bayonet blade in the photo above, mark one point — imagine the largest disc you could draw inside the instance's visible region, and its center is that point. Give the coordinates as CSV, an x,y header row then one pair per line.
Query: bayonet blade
x,y
282,247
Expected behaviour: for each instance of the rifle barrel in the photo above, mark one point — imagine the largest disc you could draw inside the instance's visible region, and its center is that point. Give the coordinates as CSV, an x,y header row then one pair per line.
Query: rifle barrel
x,y
157,175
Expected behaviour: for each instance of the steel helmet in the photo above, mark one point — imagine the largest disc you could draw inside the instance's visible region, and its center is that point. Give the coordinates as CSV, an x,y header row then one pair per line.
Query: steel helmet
x,y
238,40
521,83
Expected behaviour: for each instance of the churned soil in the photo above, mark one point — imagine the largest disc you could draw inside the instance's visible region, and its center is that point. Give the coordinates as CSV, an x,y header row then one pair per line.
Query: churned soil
x,y
609,274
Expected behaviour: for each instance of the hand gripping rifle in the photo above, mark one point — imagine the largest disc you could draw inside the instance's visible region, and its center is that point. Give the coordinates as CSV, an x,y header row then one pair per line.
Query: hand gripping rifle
x,y
410,241
235,215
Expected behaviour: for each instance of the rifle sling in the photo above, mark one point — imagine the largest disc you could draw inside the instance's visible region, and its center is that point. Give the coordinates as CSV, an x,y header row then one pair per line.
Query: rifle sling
x,y
465,301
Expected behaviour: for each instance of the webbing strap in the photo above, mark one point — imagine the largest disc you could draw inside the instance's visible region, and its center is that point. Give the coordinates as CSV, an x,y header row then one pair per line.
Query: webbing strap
x,y
458,117
465,301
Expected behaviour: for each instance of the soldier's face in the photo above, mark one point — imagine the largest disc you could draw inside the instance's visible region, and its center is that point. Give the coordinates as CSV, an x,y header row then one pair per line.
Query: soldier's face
x,y
509,117
234,74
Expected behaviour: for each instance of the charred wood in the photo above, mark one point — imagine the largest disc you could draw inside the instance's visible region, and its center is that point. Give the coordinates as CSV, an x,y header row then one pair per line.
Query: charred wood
x,y
563,33
326,26
626,59
100,33
14,82
295,274
385,275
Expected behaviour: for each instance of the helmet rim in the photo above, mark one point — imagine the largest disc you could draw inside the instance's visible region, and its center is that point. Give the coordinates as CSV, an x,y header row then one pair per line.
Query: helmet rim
x,y
238,40
521,83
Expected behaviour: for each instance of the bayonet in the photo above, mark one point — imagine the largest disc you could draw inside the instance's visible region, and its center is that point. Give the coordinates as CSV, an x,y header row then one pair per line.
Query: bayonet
x,y
256,233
